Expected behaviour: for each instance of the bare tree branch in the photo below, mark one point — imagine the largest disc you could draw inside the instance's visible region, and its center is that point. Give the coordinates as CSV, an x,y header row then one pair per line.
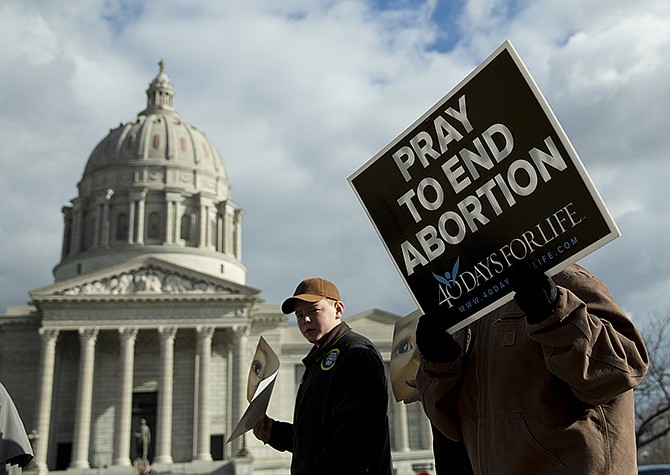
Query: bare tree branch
x,y
652,396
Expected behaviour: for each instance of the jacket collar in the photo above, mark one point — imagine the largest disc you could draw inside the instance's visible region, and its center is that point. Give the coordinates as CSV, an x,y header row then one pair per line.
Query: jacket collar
x,y
329,340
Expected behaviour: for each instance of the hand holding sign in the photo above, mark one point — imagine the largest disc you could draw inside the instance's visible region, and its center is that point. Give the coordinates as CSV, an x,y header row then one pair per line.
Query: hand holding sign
x,y
434,342
534,292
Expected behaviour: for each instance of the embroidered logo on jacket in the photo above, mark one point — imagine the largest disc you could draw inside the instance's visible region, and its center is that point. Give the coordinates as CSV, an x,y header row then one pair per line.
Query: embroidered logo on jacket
x,y
328,361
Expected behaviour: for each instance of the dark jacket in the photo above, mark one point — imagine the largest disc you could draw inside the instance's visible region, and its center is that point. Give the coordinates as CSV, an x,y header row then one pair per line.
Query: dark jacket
x,y
340,422
549,398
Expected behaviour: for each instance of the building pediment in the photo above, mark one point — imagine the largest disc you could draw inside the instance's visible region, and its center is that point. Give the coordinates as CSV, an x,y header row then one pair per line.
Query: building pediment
x,y
374,317
377,325
146,292
149,276
146,280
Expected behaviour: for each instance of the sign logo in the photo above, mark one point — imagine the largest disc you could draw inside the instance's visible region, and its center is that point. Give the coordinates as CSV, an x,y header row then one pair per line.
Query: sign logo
x,y
449,277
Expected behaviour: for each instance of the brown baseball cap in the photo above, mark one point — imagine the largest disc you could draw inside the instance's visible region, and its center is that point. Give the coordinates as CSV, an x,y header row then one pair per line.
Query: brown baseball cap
x,y
311,290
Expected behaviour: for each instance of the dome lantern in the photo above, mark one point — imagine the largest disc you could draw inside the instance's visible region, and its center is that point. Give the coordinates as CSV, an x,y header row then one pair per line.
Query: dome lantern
x,y
160,94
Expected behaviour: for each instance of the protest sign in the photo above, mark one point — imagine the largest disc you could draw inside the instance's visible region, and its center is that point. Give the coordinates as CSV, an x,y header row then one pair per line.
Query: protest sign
x,y
484,180
260,383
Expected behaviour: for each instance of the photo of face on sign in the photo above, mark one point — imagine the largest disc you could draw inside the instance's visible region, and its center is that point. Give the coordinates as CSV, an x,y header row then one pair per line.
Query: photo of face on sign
x,y
404,355
264,364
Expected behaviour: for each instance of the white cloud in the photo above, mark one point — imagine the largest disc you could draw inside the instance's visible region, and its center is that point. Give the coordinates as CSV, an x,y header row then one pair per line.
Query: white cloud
x,y
298,94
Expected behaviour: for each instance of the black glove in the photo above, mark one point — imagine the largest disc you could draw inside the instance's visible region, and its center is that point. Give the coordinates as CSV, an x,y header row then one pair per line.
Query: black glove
x,y
535,292
433,341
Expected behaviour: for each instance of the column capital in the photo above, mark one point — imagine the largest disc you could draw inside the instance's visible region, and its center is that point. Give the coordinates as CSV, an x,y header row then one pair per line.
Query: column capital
x,y
167,333
48,334
128,333
240,331
139,194
174,196
88,334
205,331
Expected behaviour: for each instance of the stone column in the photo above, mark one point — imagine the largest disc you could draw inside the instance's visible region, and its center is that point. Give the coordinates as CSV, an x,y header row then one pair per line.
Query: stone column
x,y
77,227
48,338
230,423
168,224
106,226
164,422
67,232
124,405
203,448
204,224
400,427
178,210
219,233
97,224
172,223
140,216
82,418
132,210
228,229
238,391
237,238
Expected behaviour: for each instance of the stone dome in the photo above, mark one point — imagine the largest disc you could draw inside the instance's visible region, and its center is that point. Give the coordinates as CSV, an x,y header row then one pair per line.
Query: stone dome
x,y
161,139
154,185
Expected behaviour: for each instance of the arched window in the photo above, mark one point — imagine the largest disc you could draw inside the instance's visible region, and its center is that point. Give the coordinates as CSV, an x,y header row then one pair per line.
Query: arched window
x,y
122,227
154,227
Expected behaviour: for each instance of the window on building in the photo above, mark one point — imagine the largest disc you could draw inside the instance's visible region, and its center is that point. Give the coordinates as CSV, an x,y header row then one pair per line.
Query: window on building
x,y
87,235
145,406
154,228
186,227
216,444
63,455
122,227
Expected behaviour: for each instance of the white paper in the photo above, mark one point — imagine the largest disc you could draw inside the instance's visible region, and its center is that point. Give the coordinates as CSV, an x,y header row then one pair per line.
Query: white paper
x,y
260,383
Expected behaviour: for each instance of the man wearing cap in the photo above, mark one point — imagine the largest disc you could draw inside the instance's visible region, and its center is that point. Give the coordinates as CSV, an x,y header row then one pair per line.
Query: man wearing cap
x,y
340,422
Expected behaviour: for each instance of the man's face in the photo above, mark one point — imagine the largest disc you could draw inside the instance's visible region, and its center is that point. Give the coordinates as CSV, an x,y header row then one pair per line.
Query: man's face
x,y
316,319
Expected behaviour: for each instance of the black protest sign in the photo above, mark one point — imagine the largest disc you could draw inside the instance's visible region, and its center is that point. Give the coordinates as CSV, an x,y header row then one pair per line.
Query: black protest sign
x,y
485,179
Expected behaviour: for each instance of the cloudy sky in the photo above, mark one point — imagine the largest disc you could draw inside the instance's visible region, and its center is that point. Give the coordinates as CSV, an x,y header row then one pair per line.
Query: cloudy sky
x,y
298,94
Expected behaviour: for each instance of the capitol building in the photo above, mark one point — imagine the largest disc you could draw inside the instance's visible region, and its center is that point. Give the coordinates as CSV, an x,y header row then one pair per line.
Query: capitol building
x,y
150,317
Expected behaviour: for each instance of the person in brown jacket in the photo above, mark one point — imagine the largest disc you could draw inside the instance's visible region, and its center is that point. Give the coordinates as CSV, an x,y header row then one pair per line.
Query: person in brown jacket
x,y
543,384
